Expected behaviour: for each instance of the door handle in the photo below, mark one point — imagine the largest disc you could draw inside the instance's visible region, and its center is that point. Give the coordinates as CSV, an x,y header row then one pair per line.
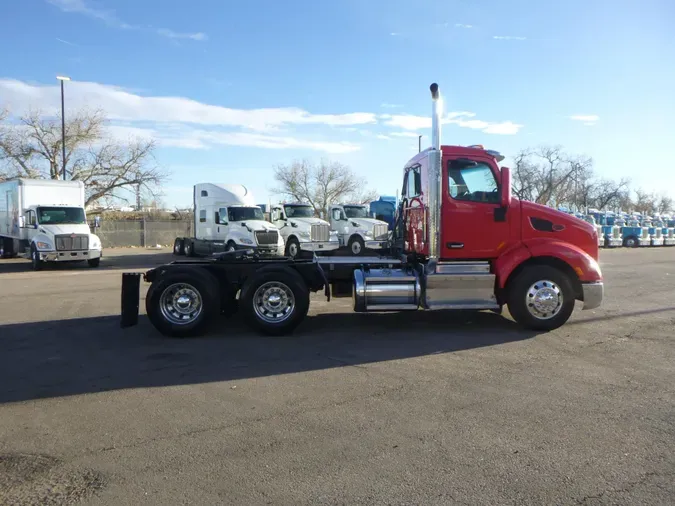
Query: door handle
x,y
455,245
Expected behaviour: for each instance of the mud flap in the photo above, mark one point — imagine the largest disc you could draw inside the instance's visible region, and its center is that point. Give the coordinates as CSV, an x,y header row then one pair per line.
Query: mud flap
x,y
131,284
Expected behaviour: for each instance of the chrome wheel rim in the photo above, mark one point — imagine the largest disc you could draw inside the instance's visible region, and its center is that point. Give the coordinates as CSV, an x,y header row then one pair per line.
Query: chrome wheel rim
x,y
292,250
176,248
356,247
273,302
180,304
231,248
544,299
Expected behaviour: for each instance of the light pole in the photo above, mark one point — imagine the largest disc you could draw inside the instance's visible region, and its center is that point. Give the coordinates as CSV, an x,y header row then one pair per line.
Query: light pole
x,y
63,125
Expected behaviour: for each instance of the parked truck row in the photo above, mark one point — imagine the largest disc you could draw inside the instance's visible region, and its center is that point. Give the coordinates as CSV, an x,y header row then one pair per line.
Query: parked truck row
x,y
460,241
631,230
227,219
45,221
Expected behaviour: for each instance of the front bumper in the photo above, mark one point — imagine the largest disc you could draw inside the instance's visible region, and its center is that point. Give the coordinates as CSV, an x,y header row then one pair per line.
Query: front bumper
x,y
70,256
644,242
657,242
592,293
319,245
376,244
614,242
669,241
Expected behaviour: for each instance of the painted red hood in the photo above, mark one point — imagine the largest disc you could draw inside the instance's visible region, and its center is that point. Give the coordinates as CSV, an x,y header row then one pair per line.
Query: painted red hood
x,y
559,226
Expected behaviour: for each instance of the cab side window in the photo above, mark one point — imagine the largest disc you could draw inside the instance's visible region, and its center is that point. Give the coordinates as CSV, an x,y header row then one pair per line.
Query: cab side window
x,y
202,216
472,181
413,182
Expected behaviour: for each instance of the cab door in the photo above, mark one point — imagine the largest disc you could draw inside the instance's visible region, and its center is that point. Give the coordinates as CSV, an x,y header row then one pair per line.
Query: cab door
x,y
414,211
474,226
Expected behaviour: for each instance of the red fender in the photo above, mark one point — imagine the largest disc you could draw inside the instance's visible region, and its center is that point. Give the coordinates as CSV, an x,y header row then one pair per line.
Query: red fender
x,y
582,263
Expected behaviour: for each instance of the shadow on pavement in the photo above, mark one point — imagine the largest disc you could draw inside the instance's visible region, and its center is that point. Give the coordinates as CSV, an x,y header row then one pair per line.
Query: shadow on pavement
x,y
68,357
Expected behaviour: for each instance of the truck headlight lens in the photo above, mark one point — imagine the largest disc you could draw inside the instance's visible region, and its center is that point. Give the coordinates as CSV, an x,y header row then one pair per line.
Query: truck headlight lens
x,y
246,241
304,234
43,245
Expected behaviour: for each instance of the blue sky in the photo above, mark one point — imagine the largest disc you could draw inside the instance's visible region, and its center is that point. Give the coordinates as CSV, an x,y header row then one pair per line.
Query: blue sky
x,y
230,89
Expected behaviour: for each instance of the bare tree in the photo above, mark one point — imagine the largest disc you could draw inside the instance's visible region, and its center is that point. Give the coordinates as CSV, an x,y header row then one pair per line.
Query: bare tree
x,y
321,185
31,147
665,204
645,203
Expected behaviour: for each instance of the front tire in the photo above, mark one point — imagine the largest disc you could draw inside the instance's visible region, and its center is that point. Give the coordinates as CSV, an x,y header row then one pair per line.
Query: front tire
x,y
541,298
274,302
356,245
630,242
292,248
183,304
36,263
178,246
188,248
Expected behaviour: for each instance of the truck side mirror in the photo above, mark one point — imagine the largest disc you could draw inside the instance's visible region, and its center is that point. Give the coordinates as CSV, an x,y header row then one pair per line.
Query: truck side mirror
x,y
505,197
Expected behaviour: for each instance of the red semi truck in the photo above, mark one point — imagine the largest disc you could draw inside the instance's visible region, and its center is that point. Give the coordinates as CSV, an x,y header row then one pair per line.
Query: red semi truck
x,y
461,241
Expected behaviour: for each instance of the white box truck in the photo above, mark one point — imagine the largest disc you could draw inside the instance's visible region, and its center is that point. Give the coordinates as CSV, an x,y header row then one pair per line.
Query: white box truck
x,y
44,220
226,218
301,230
356,229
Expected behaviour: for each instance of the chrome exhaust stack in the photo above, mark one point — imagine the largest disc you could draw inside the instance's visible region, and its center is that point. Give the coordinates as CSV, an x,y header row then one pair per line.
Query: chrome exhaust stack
x,y
435,181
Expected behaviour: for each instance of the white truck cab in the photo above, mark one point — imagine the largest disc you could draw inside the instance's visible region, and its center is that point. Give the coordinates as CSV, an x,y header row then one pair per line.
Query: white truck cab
x,y
45,221
301,230
227,219
356,229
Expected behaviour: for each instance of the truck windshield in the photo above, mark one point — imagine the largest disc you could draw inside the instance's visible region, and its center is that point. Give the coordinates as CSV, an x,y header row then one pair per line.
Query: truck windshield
x,y
356,211
299,211
245,213
61,216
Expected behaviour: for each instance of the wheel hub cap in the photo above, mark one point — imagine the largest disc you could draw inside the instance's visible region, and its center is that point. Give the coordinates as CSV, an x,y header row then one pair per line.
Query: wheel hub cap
x,y
273,302
544,299
180,303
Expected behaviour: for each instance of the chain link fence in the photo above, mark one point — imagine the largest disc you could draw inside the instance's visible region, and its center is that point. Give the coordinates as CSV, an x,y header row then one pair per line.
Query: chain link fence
x,y
141,233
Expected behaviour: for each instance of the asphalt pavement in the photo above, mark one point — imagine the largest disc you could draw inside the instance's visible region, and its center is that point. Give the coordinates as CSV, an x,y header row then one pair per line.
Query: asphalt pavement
x,y
403,408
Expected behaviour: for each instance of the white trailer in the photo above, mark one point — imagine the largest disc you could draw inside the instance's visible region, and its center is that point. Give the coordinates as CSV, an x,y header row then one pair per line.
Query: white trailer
x,y
356,229
44,220
301,230
226,218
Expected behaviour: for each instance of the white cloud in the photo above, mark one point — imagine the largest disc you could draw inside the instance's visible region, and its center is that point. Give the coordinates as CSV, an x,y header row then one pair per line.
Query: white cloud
x,y
383,137
120,104
81,7
394,34
176,35
508,37
460,118
462,25
110,18
404,134
586,118
386,105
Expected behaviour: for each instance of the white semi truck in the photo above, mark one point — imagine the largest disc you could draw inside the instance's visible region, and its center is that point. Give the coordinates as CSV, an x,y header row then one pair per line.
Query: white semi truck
x,y
301,230
44,220
226,218
356,229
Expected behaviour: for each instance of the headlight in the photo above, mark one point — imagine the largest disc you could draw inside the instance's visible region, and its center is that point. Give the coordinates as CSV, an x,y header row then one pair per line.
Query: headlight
x,y
304,234
367,233
43,245
246,241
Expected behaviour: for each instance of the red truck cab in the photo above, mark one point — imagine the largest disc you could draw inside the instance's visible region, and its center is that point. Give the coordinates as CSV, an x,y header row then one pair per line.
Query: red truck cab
x,y
457,207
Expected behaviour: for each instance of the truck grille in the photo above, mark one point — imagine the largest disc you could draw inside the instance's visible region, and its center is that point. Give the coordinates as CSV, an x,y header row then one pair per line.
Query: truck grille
x,y
658,233
381,231
267,238
645,233
320,232
616,231
77,242
671,233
